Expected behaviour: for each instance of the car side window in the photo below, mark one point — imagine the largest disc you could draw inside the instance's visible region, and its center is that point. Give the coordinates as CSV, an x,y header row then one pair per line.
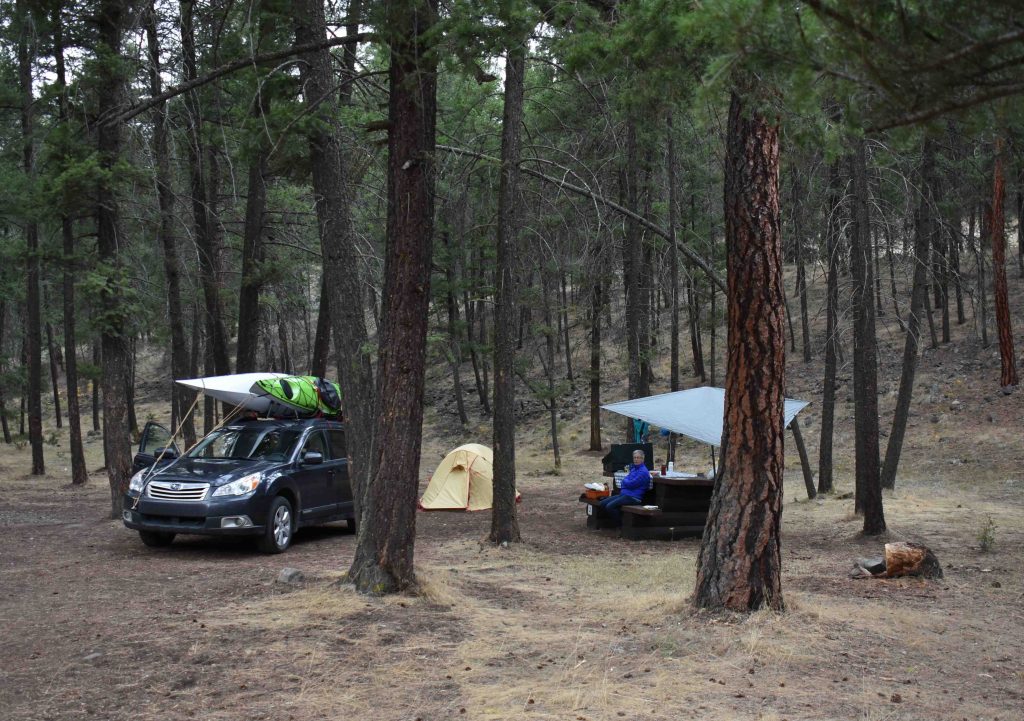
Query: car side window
x,y
338,448
315,442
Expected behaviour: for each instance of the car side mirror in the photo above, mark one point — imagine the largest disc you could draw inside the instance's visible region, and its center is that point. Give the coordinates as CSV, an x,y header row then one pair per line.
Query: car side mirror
x,y
168,453
312,458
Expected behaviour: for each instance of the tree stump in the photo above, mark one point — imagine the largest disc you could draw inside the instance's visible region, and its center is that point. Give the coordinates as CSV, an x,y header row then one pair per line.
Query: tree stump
x,y
911,559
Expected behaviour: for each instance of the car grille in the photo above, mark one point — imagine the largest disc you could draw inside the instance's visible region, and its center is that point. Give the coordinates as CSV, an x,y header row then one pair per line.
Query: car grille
x,y
177,491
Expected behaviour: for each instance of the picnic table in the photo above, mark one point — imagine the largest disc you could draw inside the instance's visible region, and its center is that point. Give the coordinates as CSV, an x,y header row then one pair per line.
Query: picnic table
x,y
675,506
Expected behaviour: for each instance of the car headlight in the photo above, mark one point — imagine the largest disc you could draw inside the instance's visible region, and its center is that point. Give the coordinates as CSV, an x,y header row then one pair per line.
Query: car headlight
x,y
248,484
138,481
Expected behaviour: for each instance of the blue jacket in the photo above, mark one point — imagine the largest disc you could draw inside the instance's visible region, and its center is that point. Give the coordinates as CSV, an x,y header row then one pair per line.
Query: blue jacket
x,y
636,481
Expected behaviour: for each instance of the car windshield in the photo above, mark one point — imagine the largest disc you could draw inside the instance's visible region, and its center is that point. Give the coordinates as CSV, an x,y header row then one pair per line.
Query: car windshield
x,y
266,444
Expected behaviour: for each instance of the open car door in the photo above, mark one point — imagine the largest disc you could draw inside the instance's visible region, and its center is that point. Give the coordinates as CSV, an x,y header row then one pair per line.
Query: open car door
x,y
154,442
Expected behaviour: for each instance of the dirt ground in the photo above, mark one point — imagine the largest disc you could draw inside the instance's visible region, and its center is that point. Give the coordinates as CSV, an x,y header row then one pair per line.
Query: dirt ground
x,y
570,624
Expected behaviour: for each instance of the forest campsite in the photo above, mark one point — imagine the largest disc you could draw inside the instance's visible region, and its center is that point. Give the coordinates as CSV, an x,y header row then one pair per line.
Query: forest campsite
x,y
511,359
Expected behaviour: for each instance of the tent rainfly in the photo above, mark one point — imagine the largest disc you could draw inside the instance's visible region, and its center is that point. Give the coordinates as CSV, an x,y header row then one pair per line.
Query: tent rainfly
x,y
698,413
463,481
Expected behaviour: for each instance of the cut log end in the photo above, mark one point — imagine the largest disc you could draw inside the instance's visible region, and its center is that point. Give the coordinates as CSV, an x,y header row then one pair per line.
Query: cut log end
x,y
911,559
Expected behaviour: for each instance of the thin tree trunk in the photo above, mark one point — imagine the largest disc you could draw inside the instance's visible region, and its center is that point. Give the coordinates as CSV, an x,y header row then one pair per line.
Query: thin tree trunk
x,y
97,361
865,352
181,397
632,260
595,356
3,403
892,276
1008,377
925,228
564,316
384,555
504,521
801,272
879,310
54,374
740,561
454,332
955,240
980,265
928,311
673,255
549,366
79,472
322,338
33,323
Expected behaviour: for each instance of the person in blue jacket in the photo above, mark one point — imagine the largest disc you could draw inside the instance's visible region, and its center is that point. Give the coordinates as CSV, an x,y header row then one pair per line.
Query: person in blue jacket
x,y
631,490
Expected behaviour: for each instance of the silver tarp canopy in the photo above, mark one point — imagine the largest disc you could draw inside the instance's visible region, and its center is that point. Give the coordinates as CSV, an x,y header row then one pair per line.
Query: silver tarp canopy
x,y
696,413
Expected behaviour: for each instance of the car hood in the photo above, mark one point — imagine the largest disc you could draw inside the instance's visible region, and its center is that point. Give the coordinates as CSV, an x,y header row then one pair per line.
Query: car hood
x,y
216,471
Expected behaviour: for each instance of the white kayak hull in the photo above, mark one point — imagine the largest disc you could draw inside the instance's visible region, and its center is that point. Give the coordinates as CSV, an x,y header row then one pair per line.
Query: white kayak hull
x,y
236,390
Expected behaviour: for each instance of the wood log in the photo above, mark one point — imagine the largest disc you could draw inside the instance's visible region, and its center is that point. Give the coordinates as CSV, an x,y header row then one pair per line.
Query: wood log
x,y
911,559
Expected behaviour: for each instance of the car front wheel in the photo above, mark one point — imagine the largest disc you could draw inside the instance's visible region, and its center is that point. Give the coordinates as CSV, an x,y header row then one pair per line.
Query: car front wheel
x,y
156,539
277,536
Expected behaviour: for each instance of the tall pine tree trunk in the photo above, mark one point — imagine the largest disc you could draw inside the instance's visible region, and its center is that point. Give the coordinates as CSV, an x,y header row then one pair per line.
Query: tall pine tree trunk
x,y
384,555
740,563
504,523
865,351
997,227
79,472
33,328
111,19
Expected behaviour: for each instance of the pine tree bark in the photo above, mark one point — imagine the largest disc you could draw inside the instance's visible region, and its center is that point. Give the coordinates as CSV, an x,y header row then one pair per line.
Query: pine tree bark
x,y
181,398
111,20
79,472
51,352
384,555
33,323
341,267
865,352
997,227
596,443
454,332
828,395
925,229
504,523
739,566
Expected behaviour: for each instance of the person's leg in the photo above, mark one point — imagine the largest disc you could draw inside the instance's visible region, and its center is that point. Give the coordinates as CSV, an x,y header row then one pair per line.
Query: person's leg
x,y
614,506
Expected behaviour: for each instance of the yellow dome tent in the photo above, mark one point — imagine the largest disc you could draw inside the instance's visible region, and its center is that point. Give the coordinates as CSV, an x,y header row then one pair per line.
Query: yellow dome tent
x,y
463,481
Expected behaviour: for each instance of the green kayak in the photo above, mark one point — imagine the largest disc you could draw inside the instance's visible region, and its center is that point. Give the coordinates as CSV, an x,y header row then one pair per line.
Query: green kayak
x,y
306,394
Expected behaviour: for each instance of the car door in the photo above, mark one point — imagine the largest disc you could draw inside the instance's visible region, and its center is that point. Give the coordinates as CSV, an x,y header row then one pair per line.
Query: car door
x,y
314,479
341,485
152,442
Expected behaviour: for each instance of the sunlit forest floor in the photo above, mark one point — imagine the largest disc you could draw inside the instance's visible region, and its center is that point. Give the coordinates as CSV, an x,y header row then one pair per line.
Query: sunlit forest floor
x,y
570,624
